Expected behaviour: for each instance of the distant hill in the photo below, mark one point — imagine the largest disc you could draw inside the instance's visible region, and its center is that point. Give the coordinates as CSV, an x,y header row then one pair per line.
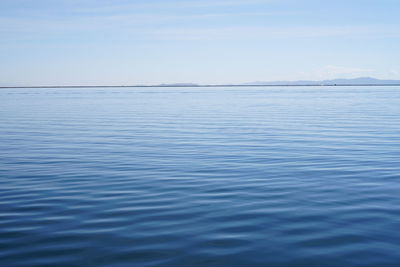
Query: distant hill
x,y
354,81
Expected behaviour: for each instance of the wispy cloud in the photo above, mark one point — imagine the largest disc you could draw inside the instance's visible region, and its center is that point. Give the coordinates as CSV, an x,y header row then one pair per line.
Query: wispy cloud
x,y
149,20
54,8
148,27
362,31
177,4
224,3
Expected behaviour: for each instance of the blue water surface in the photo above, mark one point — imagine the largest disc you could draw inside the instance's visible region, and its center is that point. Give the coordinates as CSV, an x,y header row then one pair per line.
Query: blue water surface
x,y
257,176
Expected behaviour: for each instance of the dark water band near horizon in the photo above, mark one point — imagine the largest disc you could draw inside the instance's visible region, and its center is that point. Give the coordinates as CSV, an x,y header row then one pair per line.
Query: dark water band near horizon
x,y
277,176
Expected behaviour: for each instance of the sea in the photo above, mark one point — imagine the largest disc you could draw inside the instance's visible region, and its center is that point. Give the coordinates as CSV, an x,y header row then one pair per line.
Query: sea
x,y
190,176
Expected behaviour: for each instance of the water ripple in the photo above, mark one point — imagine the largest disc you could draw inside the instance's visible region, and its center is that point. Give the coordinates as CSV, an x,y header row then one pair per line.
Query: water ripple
x,y
190,177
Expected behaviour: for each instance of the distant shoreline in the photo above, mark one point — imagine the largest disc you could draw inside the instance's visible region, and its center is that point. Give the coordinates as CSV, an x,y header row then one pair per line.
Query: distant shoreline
x,y
200,86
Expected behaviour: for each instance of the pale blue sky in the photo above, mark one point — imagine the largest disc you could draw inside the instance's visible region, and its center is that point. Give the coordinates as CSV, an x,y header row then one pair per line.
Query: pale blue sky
x,y
95,42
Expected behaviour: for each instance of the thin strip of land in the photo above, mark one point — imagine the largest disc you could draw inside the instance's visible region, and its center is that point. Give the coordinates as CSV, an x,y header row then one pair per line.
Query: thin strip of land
x,y
201,85
361,81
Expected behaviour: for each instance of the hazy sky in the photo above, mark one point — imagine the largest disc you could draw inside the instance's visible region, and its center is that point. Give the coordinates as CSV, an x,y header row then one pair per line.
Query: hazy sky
x,y
204,41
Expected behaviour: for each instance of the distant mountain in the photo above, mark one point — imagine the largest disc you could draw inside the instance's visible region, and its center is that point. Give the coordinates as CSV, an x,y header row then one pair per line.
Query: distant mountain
x,y
354,81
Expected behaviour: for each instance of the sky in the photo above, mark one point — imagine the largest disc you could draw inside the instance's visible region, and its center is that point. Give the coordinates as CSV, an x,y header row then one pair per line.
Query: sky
x,y
131,42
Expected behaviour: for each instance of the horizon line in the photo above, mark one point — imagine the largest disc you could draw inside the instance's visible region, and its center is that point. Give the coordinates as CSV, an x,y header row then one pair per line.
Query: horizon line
x,y
188,85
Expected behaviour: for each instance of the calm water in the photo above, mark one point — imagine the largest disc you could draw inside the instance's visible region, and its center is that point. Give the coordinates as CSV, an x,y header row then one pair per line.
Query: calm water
x,y
295,176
